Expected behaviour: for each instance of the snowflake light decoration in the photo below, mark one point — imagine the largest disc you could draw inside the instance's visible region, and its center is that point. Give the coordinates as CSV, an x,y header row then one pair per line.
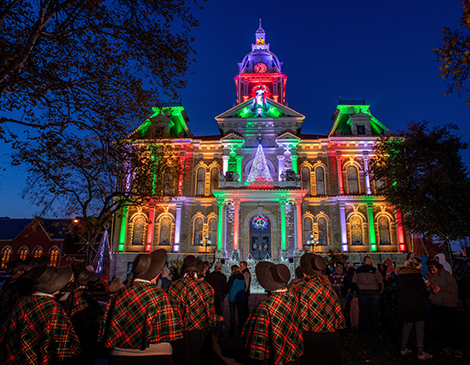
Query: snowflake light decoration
x,y
260,221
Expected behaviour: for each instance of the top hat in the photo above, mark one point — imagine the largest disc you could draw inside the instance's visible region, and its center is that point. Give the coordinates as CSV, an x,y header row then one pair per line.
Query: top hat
x,y
85,276
312,264
49,279
149,266
191,263
271,276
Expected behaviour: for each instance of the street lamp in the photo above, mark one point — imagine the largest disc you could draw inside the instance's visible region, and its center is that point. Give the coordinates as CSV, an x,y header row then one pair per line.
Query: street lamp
x,y
312,243
206,242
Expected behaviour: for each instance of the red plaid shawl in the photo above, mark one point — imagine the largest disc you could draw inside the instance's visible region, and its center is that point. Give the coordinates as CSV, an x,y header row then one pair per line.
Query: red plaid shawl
x,y
320,308
273,331
38,331
196,301
143,314
75,302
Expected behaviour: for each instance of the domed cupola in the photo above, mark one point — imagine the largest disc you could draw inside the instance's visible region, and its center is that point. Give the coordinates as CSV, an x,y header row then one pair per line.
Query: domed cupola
x,y
260,67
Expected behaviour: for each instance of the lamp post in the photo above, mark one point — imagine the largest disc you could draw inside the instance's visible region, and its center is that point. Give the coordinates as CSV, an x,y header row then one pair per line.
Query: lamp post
x,y
311,243
206,242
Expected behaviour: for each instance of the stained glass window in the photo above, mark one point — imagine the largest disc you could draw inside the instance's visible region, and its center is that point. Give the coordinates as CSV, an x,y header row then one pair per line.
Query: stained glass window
x,y
54,257
38,252
384,230
353,184
356,230
23,253
138,235
260,221
6,257
165,231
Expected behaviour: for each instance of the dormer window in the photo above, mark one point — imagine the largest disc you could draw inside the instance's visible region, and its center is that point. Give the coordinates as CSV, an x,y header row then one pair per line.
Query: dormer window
x,y
361,130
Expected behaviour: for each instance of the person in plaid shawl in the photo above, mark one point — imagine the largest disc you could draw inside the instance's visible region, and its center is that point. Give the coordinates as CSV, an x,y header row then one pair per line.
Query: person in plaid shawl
x,y
141,320
38,330
321,314
195,299
85,313
273,332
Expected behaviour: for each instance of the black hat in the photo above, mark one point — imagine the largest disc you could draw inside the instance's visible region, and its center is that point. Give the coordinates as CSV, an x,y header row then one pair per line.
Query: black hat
x,y
49,279
299,272
85,276
148,266
312,264
271,276
190,262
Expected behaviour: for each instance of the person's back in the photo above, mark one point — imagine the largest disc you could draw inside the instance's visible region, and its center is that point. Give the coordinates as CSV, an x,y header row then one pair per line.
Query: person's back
x,y
237,288
218,281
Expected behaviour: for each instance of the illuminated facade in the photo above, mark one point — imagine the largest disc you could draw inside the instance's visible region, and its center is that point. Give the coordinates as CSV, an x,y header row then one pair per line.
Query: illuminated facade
x,y
263,190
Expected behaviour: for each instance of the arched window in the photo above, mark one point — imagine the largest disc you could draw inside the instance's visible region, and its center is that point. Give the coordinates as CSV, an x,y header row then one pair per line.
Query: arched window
x,y
23,253
356,230
213,231
201,181
6,257
353,183
198,231
138,234
320,180
322,231
384,230
306,179
54,257
37,252
215,178
165,231
168,185
308,229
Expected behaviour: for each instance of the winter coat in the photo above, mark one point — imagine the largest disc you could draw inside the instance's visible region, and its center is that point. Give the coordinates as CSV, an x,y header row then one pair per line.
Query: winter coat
x,y
411,295
237,288
448,293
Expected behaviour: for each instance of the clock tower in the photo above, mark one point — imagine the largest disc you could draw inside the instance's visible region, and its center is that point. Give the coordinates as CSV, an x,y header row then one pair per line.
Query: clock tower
x,y
260,68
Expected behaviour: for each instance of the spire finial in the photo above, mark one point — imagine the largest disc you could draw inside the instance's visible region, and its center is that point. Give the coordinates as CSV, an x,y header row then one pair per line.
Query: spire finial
x,y
260,21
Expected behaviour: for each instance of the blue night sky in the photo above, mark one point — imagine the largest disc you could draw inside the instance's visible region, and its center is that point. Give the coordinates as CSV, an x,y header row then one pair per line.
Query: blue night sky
x,y
377,50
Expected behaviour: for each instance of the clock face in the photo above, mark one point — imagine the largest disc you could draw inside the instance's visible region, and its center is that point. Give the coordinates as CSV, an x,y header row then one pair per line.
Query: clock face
x,y
260,67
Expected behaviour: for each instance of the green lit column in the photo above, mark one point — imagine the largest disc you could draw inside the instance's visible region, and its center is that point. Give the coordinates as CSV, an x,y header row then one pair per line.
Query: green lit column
x,y
294,158
220,228
122,236
239,166
370,211
283,224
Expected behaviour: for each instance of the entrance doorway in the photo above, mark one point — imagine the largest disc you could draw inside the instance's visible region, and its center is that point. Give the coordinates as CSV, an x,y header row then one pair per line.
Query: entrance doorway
x,y
260,237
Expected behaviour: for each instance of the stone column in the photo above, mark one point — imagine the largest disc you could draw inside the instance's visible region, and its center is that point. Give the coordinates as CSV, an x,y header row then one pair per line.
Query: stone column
x,y
366,172
225,164
220,228
340,172
294,158
282,203
176,246
150,229
236,204
370,217
239,166
280,166
298,223
344,231
123,233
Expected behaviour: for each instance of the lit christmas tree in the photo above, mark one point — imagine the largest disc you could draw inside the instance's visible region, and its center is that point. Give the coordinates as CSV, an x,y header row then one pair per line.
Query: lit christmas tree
x,y
102,259
259,170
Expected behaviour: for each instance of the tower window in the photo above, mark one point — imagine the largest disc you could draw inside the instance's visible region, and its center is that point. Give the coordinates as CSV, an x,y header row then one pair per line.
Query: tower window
x,y
361,130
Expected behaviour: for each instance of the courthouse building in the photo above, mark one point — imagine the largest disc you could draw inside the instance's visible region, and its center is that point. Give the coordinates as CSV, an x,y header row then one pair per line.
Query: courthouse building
x,y
263,190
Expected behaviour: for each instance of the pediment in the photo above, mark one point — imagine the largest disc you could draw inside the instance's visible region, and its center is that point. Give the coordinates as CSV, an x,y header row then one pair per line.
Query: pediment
x,y
274,110
287,136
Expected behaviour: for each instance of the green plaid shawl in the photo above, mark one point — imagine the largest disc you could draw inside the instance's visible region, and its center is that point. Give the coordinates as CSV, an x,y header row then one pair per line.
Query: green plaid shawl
x,y
320,308
143,314
38,331
195,299
273,331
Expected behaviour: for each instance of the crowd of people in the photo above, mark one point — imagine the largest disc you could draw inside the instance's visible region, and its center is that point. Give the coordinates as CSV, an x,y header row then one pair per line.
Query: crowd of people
x,y
48,315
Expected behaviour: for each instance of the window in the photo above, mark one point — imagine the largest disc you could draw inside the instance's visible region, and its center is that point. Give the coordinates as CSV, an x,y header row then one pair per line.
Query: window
x,y
384,230
168,185
165,231
320,180
353,184
138,235
201,181
54,257
356,230
361,130
23,253
214,178
322,231
306,179
213,231
308,229
37,252
6,257
198,231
